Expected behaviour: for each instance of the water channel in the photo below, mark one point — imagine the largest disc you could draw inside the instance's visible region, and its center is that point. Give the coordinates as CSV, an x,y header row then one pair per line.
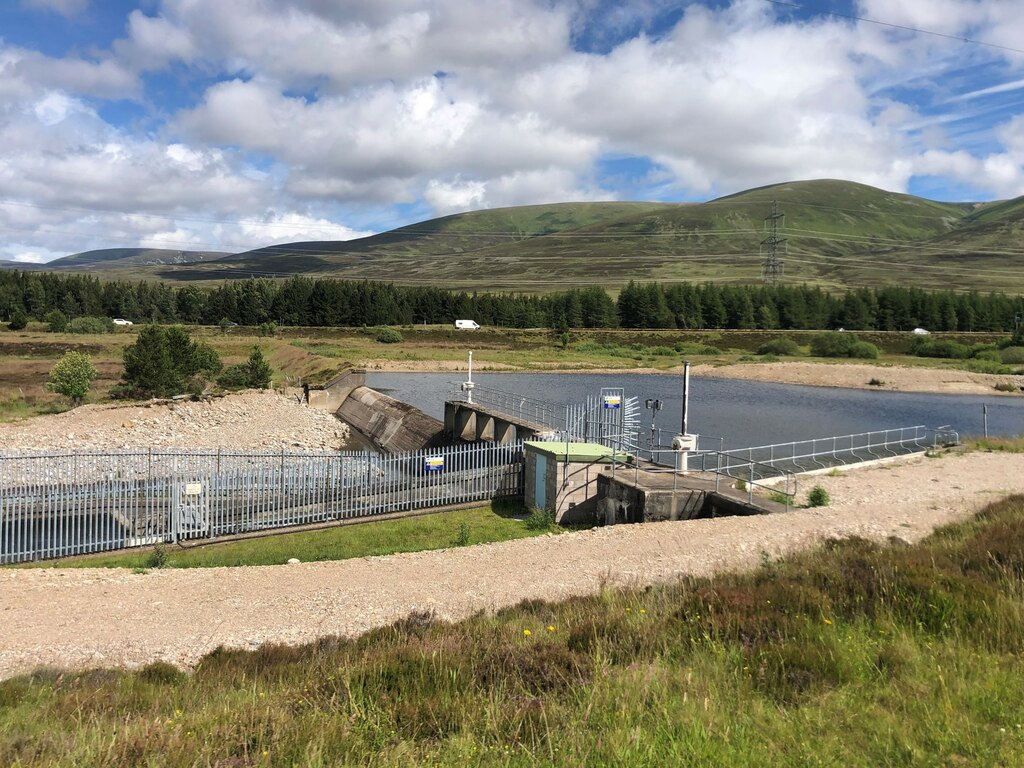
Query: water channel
x,y
744,413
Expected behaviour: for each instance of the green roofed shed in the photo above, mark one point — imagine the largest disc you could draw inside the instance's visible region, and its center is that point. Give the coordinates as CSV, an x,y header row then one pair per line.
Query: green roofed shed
x,y
562,477
576,452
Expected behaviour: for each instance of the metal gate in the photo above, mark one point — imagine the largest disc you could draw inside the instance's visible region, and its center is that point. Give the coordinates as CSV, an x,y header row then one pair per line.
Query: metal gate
x,y
191,511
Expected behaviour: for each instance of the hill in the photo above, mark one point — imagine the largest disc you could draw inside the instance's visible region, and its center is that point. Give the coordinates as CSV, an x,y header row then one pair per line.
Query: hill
x,y
121,257
836,233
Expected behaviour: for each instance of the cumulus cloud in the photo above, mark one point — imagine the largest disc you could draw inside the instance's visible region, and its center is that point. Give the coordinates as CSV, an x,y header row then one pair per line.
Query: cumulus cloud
x,y
314,106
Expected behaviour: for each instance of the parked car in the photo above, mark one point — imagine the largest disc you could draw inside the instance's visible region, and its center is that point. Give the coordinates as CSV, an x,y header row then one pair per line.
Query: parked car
x,y
121,321
467,325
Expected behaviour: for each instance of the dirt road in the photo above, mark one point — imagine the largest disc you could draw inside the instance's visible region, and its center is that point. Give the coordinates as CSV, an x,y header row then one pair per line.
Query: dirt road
x,y
96,617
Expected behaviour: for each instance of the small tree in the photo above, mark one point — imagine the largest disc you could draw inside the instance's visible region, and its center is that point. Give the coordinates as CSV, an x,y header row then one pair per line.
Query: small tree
x,y
72,377
56,321
259,370
18,320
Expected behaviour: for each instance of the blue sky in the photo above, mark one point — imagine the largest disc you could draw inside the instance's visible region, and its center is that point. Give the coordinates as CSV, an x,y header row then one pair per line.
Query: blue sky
x,y
190,124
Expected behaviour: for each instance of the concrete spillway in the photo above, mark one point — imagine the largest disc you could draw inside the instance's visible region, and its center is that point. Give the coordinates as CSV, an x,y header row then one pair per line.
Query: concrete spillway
x,y
391,425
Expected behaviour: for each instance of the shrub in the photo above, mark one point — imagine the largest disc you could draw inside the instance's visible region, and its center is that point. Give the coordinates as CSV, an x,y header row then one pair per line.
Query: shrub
x,y
254,374
1012,355
818,497
876,383
832,344
389,336
781,346
864,350
462,537
660,351
157,558
990,355
72,377
985,366
1005,386
234,377
268,329
56,321
540,519
91,325
925,347
18,321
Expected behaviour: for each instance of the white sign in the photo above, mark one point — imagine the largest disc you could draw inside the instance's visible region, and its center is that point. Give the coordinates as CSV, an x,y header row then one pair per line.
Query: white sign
x,y
612,401
193,489
433,463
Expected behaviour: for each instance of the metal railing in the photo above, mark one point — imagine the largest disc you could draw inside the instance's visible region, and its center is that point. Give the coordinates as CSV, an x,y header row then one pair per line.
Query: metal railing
x,y
826,452
57,504
510,404
753,476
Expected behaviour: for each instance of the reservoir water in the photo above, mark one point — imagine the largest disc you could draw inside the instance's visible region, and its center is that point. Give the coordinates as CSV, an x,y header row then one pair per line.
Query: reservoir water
x,y
745,413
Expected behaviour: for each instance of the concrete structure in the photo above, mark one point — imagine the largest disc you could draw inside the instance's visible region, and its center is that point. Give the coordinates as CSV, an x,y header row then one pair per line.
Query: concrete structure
x,y
644,496
563,478
391,425
472,422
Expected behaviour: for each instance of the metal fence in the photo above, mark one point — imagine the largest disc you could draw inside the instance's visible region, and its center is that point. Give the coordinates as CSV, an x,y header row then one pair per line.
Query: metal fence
x,y
56,504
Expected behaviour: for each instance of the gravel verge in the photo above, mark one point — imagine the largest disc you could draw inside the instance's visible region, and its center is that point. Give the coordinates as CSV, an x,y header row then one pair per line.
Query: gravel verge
x,y
99,617
252,420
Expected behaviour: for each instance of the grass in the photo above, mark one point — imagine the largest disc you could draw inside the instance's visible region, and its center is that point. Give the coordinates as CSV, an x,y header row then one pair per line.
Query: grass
x,y
499,521
1005,444
855,654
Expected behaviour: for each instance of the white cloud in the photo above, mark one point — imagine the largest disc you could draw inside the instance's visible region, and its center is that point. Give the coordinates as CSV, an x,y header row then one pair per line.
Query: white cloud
x,y
345,107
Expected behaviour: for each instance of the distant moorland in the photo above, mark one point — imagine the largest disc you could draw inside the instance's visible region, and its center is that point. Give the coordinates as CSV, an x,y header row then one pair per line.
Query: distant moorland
x,y
838,234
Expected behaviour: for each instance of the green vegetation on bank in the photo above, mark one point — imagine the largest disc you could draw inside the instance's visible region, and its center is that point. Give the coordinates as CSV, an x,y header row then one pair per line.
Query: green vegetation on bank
x,y
855,654
500,521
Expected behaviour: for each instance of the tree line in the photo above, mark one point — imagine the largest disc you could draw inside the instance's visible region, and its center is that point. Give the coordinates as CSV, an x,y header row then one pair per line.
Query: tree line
x,y
329,302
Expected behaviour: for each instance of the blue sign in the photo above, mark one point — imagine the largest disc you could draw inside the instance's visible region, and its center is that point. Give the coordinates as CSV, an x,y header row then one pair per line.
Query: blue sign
x,y
433,463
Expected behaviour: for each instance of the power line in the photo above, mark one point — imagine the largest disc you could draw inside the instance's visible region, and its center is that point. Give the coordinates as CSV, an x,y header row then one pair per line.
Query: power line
x,y
916,30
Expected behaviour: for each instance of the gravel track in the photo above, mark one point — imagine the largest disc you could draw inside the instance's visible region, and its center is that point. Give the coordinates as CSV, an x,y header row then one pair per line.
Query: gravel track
x,y
111,617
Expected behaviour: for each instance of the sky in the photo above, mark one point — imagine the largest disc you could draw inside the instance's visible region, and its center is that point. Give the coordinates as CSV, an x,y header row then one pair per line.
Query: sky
x,y
229,125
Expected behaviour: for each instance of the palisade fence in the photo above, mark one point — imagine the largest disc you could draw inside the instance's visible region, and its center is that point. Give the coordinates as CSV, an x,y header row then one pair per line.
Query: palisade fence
x,y
61,503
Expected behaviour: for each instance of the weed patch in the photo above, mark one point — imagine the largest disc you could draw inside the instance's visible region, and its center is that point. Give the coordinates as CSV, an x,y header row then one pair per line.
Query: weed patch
x,y
908,653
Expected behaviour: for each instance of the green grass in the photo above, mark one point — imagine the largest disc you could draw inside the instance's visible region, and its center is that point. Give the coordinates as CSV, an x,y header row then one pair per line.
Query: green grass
x,y
852,655
500,521
1005,444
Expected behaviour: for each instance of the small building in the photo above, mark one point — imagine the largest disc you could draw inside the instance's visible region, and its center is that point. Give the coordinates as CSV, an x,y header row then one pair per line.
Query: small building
x,y
562,478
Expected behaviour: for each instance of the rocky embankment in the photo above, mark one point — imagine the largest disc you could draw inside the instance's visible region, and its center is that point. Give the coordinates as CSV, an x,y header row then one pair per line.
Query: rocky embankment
x,y
254,420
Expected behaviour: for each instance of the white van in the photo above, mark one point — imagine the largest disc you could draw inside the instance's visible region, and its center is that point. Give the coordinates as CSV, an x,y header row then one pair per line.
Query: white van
x,y
467,325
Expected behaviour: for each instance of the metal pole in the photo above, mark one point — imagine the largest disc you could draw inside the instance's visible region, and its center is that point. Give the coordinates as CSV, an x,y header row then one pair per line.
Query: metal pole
x,y
686,395
469,389
984,411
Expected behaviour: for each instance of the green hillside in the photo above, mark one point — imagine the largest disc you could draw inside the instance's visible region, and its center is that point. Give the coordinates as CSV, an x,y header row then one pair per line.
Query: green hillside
x,y
837,234
119,257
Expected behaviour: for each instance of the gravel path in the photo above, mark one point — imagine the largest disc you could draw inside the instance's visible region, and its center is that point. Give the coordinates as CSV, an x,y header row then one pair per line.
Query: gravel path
x,y
99,617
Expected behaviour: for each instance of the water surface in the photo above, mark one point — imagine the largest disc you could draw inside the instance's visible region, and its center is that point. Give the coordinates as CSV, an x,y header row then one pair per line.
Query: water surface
x,y
743,412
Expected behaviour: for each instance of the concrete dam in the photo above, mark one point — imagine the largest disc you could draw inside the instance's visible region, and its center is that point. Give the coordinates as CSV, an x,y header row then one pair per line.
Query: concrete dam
x,y
391,425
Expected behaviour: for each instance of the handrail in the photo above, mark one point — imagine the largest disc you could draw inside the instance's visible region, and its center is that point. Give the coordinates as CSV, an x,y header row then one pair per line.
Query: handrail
x,y
751,482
